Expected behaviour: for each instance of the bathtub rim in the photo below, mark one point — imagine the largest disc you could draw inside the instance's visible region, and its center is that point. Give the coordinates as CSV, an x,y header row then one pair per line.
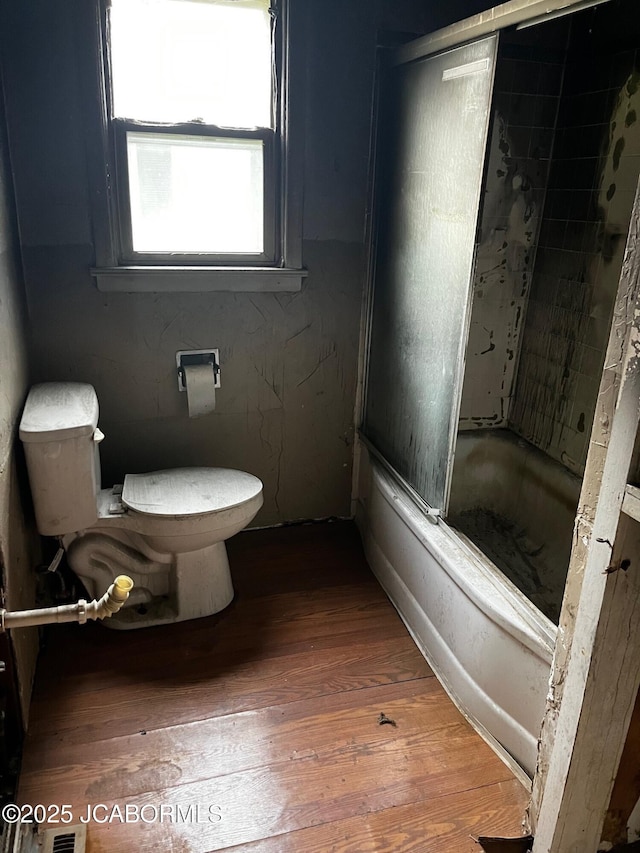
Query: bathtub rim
x,y
521,619
535,631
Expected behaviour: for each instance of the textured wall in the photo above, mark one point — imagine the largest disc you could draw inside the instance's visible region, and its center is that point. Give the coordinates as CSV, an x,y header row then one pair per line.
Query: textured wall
x,y
17,552
525,105
596,162
285,410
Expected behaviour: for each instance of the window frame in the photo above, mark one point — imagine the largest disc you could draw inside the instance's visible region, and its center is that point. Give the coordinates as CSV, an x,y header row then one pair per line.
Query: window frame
x,y
117,267
120,128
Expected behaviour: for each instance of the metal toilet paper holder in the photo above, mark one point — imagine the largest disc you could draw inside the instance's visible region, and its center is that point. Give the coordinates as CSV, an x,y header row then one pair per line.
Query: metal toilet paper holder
x,y
184,358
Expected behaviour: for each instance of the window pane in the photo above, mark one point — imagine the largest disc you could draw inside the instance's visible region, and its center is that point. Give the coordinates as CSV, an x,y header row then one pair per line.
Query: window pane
x,y
195,193
185,60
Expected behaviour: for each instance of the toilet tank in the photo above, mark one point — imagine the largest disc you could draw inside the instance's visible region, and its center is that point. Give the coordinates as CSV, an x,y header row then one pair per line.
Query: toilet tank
x,y
60,436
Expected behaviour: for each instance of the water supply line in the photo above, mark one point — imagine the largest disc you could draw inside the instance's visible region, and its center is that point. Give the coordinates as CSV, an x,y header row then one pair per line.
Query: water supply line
x,y
110,603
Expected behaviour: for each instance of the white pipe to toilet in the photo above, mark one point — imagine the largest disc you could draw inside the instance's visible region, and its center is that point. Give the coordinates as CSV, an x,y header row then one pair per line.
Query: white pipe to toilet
x,y
102,608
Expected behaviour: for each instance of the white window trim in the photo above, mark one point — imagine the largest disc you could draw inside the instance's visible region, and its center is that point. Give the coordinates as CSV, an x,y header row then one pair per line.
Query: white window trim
x,y
109,272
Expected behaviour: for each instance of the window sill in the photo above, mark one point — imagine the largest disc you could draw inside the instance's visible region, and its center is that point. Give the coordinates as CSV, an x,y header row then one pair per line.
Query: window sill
x,y
165,279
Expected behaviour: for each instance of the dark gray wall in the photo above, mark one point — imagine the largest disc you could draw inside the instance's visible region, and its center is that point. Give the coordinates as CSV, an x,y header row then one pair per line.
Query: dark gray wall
x,y
289,361
17,537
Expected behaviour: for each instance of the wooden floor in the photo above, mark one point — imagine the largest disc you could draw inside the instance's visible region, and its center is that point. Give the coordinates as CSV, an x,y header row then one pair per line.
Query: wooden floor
x,y
268,713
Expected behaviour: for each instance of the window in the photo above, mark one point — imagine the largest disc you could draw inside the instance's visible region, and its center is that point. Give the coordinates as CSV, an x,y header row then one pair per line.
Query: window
x,y
194,135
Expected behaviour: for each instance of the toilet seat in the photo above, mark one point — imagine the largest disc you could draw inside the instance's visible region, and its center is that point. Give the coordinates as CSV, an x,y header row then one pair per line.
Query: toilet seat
x,y
181,492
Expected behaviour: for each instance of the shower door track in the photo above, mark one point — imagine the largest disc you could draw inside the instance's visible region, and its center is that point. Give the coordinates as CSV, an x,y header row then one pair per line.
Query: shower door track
x,y
432,513
516,13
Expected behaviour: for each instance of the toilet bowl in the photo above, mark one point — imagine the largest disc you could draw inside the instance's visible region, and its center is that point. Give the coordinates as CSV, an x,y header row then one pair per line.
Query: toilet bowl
x,y
165,529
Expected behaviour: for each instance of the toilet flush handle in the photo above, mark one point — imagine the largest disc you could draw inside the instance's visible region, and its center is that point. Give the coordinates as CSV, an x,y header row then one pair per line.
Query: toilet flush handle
x,y
98,435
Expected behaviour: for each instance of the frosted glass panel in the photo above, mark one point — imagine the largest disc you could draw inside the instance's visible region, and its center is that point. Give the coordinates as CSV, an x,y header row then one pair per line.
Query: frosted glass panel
x,y
433,126
185,60
195,193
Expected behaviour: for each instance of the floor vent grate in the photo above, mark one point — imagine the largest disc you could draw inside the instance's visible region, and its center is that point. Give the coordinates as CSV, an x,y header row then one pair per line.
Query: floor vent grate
x,y
71,839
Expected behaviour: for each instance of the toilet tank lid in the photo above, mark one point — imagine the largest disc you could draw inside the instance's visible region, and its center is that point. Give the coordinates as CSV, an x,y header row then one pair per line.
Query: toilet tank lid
x,y
57,411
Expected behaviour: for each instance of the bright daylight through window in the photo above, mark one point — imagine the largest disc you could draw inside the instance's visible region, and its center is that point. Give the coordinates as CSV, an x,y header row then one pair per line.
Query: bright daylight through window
x,y
194,119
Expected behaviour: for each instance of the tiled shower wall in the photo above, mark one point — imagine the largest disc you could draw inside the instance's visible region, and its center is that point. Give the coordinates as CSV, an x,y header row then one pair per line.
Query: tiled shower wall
x,y
593,177
525,106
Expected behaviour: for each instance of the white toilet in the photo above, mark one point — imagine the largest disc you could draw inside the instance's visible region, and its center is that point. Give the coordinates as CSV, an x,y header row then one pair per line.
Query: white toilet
x,y
165,529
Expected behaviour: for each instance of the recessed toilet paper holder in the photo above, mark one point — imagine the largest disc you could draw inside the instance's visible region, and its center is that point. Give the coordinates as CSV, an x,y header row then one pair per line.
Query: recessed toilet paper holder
x,y
184,358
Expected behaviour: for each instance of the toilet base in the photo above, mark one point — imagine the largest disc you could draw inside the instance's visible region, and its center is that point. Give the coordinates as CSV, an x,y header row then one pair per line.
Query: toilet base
x,y
202,586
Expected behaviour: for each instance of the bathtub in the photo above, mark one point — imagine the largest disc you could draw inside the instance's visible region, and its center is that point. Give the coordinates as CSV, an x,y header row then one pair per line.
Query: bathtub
x,y
518,506
489,646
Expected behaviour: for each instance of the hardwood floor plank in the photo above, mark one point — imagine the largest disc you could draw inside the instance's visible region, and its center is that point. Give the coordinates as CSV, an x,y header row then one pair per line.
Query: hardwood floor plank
x,y
269,712
292,794
306,564
195,695
253,628
441,824
47,752
251,739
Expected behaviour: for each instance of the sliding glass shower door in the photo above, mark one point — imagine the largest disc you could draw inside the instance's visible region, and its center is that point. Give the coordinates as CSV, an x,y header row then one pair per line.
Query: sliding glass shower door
x,y
432,131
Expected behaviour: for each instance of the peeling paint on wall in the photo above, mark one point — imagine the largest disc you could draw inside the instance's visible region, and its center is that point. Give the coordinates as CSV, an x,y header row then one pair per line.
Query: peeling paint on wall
x,y
586,219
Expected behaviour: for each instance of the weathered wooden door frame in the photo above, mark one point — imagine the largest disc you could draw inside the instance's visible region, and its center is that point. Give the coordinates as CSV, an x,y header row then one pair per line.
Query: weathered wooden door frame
x,y
595,672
